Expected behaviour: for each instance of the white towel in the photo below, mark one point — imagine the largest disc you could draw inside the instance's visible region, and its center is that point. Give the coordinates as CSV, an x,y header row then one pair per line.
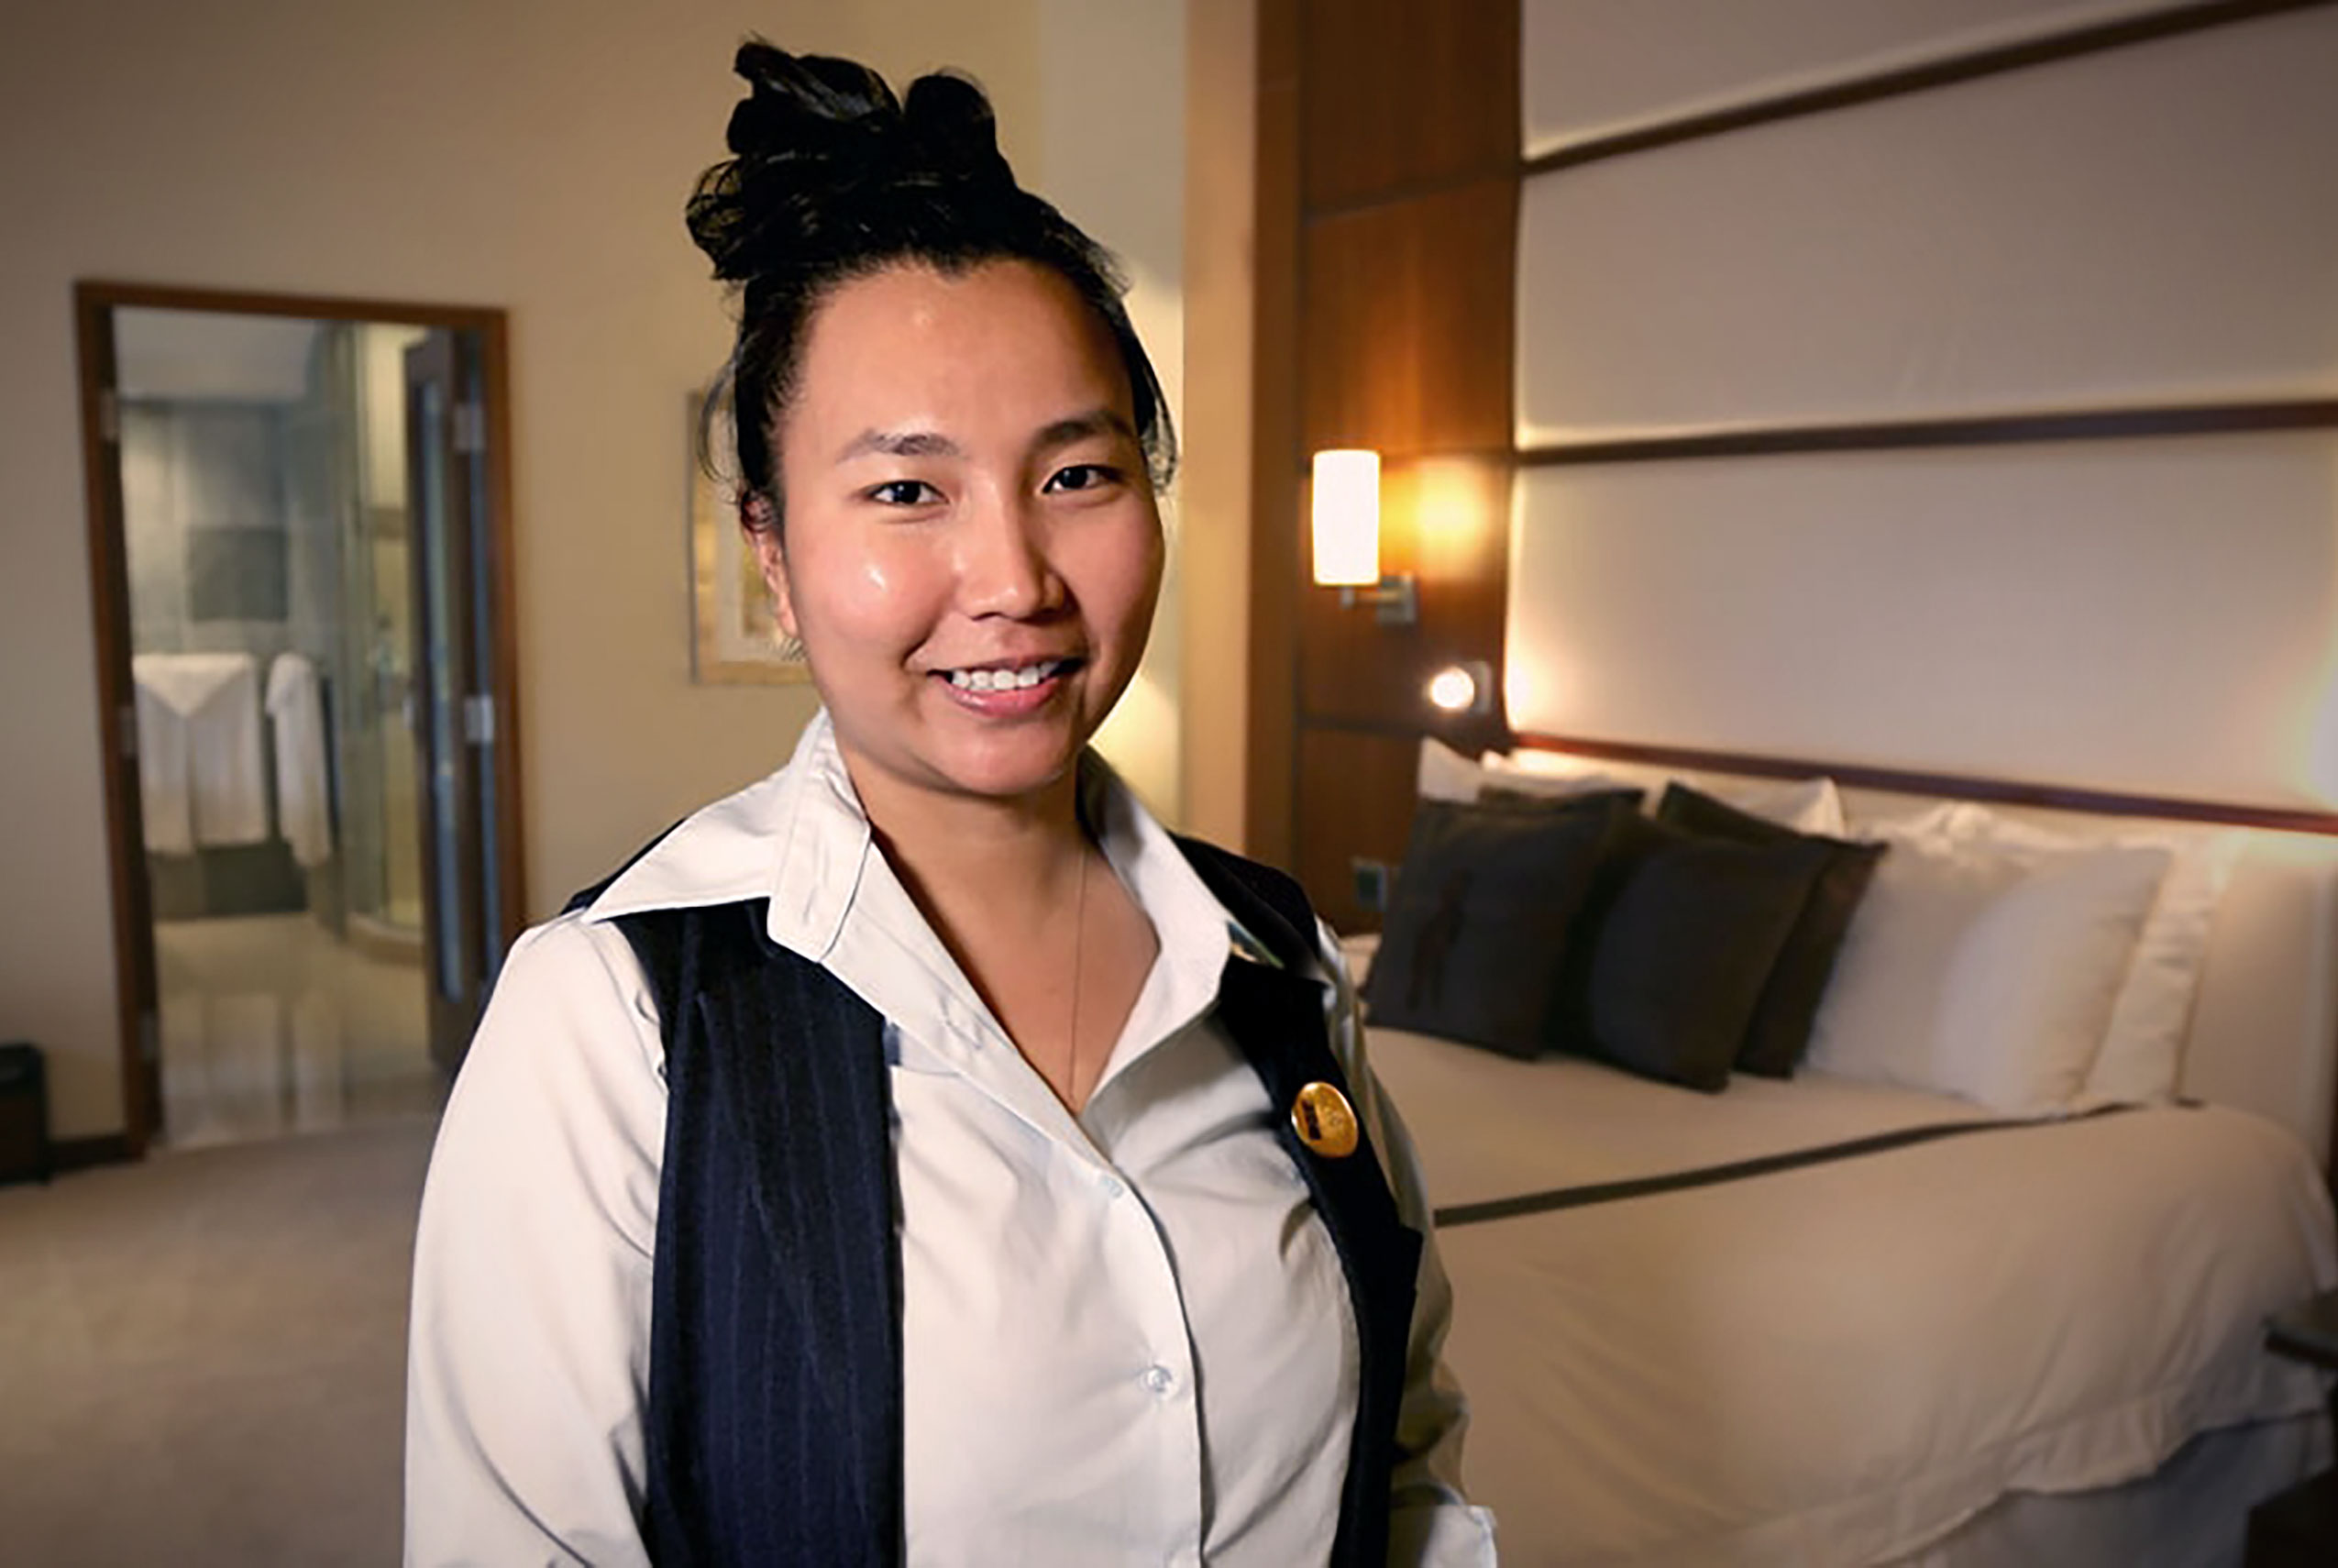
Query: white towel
x,y
163,797
201,775
296,704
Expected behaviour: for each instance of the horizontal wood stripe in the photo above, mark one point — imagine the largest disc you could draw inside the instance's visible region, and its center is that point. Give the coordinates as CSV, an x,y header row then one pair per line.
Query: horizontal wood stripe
x,y
1922,77
1986,430
1593,1193
1954,786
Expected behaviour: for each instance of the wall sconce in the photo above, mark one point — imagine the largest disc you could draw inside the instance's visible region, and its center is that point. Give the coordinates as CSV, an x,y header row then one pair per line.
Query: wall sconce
x,y
1466,686
1346,522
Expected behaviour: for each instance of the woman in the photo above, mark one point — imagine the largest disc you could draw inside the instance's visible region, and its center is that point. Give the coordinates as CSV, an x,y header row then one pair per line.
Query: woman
x,y
920,1156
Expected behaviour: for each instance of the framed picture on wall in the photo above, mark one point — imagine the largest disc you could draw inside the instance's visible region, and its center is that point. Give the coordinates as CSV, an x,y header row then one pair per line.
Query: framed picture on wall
x,y
735,638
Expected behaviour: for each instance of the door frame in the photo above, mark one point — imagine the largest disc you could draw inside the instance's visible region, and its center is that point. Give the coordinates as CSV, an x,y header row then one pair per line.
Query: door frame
x,y
136,980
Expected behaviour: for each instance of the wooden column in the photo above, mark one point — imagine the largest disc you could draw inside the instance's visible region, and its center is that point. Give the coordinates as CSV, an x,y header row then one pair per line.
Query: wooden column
x,y
1386,237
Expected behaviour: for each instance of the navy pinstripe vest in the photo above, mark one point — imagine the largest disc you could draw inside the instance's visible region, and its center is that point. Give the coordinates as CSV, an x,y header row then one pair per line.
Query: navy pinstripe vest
x,y
774,1423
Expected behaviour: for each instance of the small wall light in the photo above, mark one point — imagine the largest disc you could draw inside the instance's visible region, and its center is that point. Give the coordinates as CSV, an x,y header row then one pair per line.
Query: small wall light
x,y
1463,688
1346,536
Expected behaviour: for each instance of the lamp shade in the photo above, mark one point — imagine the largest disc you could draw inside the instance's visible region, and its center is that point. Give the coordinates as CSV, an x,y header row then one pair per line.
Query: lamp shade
x,y
1347,517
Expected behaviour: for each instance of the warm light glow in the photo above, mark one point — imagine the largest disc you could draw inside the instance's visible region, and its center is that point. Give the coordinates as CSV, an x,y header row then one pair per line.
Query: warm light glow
x,y
1455,507
1347,517
1452,689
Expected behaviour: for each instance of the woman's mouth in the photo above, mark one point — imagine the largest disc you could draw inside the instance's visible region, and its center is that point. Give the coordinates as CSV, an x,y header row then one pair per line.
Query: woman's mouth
x,y
1008,689
1021,678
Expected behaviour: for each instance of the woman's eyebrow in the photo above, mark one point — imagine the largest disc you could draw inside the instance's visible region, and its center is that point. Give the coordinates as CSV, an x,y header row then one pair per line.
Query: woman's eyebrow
x,y
899,444
1080,427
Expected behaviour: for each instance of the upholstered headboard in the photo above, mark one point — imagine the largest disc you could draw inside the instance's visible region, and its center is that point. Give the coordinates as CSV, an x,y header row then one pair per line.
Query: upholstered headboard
x,y
2264,1031
1946,395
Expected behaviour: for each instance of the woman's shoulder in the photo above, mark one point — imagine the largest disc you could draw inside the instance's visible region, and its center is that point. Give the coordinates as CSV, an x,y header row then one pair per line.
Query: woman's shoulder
x,y
724,852
573,979
1268,904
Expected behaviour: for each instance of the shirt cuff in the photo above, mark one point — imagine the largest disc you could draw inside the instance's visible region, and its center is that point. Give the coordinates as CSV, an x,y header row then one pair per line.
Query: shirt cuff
x,y
1448,1535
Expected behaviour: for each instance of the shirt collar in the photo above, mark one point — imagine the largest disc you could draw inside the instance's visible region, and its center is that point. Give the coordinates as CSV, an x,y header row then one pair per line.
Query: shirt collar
x,y
800,838
1195,930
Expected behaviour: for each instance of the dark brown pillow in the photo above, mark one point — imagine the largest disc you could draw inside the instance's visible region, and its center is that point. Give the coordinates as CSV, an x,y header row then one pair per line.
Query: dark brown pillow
x,y
1780,1030
1480,914
1684,949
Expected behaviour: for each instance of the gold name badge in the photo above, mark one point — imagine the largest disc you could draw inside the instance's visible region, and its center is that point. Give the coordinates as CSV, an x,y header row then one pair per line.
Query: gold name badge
x,y
1325,1122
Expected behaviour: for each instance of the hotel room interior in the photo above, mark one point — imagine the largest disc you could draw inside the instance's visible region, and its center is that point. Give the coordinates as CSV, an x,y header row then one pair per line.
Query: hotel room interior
x,y
1773,569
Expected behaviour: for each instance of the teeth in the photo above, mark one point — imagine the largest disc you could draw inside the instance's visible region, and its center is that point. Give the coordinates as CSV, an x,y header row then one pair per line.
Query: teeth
x,y
1003,680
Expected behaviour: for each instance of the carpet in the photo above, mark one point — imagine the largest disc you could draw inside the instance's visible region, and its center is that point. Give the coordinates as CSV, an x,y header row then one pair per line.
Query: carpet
x,y
203,1357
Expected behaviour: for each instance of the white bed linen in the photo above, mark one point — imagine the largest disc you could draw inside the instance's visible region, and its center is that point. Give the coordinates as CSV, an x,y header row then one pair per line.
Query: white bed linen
x,y
1500,1127
1840,1364
2183,1515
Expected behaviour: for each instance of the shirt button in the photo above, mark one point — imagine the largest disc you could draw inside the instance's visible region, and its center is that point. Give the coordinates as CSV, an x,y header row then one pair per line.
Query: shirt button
x,y
1113,1186
1159,1379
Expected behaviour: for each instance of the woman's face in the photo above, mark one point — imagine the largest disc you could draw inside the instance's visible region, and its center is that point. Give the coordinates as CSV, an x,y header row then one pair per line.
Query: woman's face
x,y
971,549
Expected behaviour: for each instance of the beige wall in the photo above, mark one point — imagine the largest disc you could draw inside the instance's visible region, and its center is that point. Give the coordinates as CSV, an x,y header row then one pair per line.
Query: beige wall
x,y
1214,502
529,155
1112,155
2137,227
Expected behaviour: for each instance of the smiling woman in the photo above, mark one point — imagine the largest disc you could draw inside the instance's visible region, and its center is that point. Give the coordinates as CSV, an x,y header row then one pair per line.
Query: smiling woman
x,y
921,1156
971,557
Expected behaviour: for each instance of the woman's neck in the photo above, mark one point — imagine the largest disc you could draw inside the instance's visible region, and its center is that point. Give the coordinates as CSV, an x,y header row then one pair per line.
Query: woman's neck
x,y
1011,862
1056,947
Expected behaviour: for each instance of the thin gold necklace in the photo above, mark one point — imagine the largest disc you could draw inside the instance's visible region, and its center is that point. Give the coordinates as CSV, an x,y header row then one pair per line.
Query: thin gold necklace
x,y
1079,942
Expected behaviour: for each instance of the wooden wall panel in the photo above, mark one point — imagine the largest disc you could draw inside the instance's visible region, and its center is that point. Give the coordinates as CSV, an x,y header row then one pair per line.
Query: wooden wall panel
x,y
1406,92
1409,315
1387,232
1272,686
1448,523
1359,789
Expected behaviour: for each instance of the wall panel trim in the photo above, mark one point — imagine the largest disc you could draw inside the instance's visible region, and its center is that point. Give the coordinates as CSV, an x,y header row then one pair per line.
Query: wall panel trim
x,y
1947,71
1955,786
1984,430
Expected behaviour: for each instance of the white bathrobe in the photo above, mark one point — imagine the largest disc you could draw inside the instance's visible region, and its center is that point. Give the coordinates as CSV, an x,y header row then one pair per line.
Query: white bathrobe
x,y
296,705
201,778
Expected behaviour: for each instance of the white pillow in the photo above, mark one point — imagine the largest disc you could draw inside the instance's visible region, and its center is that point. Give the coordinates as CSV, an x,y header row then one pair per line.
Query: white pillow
x,y
1445,774
2027,998
1547,773
1922,821
1805,805
1874,1020
1983,972
2142,1054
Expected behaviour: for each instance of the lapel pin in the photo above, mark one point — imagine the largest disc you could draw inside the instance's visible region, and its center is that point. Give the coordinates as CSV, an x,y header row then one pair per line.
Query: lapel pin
x,y
1325,1122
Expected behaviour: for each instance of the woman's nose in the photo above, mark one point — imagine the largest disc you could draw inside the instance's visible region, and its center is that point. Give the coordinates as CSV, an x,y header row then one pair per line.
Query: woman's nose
x,y
1004,568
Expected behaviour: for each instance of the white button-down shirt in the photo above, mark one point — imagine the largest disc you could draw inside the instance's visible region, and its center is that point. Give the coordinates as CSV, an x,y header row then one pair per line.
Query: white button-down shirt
x,y
1127,1337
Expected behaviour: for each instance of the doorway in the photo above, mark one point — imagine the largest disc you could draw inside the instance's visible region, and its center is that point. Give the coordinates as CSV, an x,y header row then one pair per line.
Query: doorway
x,y
300,543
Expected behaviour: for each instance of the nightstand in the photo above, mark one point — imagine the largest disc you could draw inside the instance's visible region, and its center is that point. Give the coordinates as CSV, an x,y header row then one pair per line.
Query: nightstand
x,y
24,1114
2298,1527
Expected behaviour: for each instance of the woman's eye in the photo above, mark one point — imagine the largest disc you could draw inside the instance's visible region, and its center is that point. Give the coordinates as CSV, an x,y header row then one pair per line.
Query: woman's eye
x,y
905,492
1083,476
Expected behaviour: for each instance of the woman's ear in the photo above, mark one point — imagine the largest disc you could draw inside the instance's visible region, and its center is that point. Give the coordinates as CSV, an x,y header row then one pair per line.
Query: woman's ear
x,y
762,529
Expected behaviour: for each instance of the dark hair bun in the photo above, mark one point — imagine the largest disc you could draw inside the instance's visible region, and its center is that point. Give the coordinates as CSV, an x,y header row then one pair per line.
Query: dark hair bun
x,y
820,147
831,177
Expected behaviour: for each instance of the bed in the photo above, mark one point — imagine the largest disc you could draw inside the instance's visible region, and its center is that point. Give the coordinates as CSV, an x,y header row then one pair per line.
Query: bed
x,y
1845,1363
1834,1319
1896,401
